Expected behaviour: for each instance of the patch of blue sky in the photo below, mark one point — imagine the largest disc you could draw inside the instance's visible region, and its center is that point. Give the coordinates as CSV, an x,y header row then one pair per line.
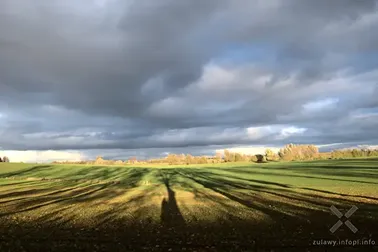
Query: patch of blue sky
x,y
362,62
321,104
365,112
239,54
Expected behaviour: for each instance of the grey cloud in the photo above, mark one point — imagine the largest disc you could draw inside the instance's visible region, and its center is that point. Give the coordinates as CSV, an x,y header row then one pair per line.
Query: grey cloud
x,y
109,70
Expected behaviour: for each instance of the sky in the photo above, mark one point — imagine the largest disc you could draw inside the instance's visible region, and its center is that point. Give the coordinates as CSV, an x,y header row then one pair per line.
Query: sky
x,y
121,78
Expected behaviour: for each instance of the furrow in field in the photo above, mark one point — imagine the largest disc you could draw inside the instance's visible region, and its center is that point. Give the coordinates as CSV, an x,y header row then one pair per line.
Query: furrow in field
x,y
42,201
257,203
15,187
40,193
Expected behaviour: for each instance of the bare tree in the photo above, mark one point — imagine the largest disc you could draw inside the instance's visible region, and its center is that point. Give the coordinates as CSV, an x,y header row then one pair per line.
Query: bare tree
x,y
299,152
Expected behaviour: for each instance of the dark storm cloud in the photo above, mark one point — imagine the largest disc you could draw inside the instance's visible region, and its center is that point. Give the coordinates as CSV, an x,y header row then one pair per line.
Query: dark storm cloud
x,y
117,74
101,68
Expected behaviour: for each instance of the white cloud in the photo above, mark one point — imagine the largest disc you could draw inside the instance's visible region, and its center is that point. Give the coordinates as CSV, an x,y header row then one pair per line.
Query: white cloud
x,y
171,106
250,150
216,77
260,132
100,3
3,117
360,115
42,156
366,147
290,131
369,147
219,78
320,104
328,145
279,132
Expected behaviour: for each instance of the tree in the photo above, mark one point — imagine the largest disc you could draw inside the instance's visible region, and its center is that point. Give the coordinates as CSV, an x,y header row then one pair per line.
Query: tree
x,y
232,157
246,158
372,153
227,156
271,156
293,152
268,152
182,158
1,160
189,159
99,160
356,153
5,159
238,157
218,157
202,160
118,162
172,159
260,158
253,158
133,160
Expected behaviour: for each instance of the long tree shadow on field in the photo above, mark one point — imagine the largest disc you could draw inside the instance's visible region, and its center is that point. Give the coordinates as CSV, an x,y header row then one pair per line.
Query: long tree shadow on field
x,y
170,213
67,192
310,174
26,171
294,213
242,181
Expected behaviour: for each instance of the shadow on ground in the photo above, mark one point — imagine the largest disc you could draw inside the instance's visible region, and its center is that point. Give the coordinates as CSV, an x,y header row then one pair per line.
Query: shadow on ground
x,y
171,216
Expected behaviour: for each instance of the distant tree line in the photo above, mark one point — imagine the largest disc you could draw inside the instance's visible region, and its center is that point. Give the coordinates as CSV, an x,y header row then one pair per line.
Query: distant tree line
x,y
4,160
353,153
290,152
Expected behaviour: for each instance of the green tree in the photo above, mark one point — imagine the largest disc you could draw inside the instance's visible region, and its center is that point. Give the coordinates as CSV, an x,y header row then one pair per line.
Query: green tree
x,y
356,153
260,158
269,154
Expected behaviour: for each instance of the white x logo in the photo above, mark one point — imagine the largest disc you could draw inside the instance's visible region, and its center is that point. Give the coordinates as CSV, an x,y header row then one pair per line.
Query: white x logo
x,y
339,223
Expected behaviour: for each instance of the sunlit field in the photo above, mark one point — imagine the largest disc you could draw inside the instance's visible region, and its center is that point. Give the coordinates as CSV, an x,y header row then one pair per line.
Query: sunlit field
x,y
237,207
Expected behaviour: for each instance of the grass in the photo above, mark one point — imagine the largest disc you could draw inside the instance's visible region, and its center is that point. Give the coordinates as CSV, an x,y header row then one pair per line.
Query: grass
x,y
235,206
